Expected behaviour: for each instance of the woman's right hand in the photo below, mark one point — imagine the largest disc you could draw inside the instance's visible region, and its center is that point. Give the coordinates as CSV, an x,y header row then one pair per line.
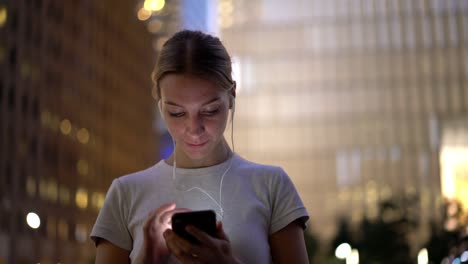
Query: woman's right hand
x,y
158,221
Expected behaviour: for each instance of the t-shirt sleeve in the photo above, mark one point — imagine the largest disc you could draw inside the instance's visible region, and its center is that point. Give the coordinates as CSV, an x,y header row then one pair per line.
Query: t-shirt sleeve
x,y
111,223
287,206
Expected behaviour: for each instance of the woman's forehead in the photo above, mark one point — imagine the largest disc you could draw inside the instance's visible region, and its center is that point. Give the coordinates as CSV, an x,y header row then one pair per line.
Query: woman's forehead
x,y
188,88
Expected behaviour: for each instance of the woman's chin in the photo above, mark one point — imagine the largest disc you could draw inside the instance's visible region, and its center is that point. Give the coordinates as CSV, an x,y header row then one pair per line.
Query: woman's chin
x,y
205,153
196,154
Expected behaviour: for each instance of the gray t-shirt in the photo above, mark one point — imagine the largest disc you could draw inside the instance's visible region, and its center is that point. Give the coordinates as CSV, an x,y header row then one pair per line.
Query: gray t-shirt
x,y
258,200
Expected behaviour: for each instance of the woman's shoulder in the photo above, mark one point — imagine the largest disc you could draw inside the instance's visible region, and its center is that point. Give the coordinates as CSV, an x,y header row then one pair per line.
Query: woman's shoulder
x,y
145,175
246,165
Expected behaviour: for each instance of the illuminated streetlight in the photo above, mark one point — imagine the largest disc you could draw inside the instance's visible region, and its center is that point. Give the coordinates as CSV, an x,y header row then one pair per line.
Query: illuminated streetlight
x,y
343,251
33,220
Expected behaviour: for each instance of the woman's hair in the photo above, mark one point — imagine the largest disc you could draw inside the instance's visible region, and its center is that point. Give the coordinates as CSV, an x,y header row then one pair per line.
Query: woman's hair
x,y
195,53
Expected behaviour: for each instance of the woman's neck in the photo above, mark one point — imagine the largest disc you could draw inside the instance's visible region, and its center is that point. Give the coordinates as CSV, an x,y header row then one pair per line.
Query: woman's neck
x,y
220,154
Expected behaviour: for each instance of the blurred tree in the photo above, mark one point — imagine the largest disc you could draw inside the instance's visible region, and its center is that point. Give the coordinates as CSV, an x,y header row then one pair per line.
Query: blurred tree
x,y
385,240
439,243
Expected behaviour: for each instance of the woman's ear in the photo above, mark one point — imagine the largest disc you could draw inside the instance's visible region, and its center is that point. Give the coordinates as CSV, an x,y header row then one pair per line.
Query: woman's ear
x,y
233,89
232,95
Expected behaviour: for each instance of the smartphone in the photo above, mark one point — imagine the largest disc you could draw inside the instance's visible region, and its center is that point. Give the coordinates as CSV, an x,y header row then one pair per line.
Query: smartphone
x,y
203,220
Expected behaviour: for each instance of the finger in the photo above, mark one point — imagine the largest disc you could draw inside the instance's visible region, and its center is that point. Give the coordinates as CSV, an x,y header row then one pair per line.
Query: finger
x,y
220,231
156,214
183,244
180,248
153,215
203,237
186,259
189,259
149,221
166,207
147,234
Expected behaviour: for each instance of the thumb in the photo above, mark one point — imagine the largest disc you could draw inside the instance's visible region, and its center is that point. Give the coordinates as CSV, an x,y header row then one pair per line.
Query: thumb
x,y
220,231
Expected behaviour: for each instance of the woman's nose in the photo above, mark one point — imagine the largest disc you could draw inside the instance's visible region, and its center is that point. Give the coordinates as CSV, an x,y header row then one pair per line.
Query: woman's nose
x,y
195,125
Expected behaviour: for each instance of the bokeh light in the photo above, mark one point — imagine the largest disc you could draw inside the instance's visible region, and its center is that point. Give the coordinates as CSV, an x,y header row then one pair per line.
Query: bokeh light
x,y
65,126
143,14
81,198
82,167
83,135
353,257
3,16
343,251
154,5
33,220
423,256
464,256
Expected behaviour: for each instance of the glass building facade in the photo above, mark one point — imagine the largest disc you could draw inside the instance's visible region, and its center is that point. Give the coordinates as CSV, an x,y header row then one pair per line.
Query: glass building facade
x,y
351,98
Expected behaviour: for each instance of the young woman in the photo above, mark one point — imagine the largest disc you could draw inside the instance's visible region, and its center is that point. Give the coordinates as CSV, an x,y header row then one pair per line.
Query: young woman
x,y
260,215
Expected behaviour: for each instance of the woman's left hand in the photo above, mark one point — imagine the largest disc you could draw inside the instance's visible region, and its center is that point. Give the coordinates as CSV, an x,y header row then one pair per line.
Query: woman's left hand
x,y
210,250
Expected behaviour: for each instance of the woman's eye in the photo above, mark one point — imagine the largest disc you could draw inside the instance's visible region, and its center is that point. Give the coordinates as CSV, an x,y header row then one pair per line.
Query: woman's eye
x,y
211,112
176,114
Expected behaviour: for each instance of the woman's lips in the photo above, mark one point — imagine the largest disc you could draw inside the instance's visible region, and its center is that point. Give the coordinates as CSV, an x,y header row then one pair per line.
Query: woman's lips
x,y
195,145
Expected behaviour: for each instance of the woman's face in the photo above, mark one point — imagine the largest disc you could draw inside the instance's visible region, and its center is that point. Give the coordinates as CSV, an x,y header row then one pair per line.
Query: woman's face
x,y
196,112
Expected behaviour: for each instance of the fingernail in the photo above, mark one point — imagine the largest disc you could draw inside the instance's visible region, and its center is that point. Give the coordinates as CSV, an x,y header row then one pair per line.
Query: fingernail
x,y
189,228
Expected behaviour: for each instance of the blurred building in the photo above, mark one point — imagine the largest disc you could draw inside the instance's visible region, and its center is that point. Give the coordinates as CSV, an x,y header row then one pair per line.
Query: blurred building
x,y
76,112
351,98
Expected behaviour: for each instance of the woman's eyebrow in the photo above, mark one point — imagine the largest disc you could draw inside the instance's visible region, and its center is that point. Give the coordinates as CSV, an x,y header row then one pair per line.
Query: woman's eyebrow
x,y
213,100
206,103
171,103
